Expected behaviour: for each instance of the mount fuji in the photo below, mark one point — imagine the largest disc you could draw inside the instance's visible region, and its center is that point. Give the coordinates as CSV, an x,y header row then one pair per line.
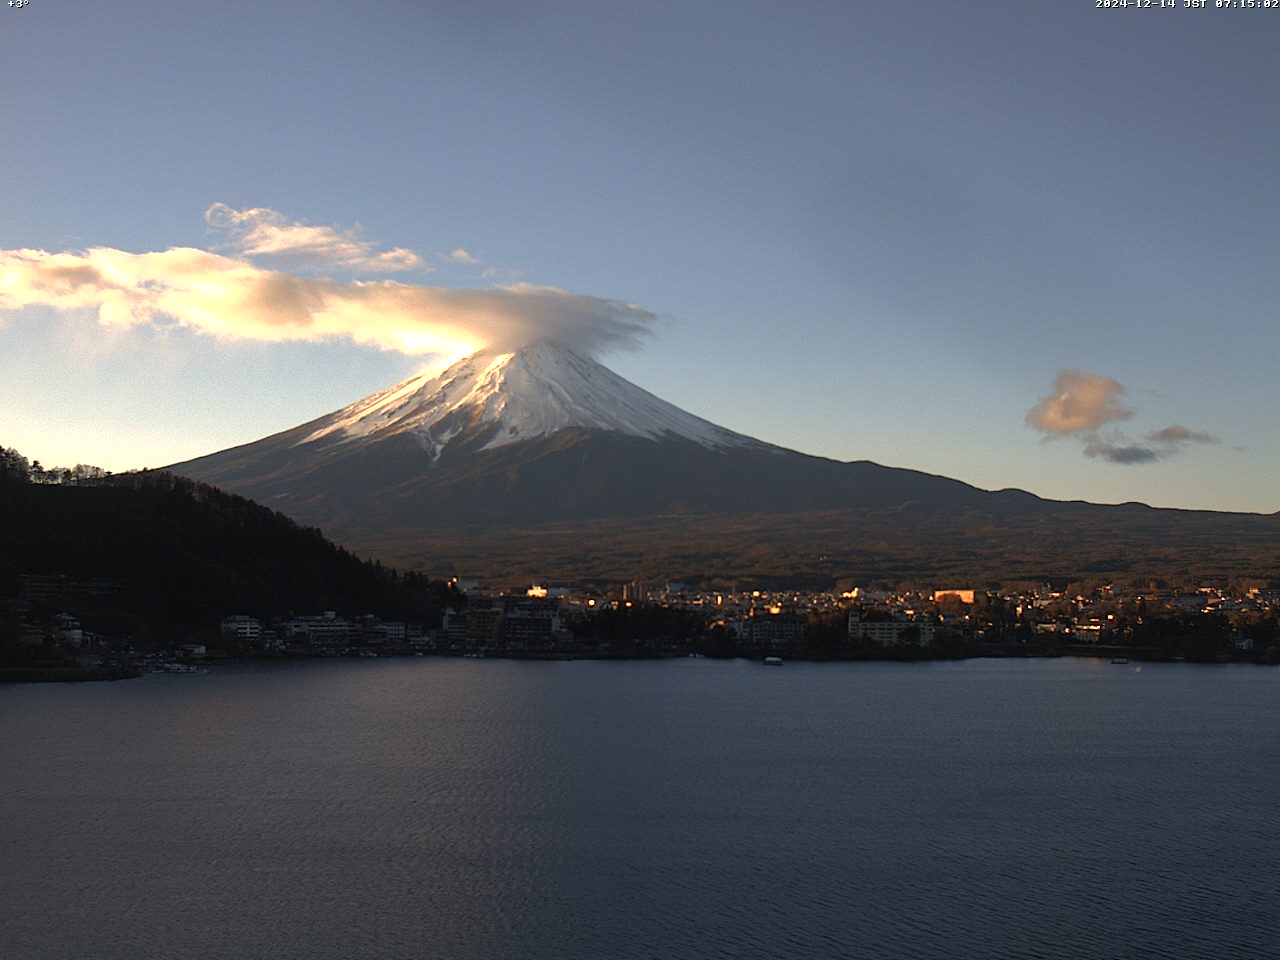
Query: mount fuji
x,y
497,399
543,462
536,435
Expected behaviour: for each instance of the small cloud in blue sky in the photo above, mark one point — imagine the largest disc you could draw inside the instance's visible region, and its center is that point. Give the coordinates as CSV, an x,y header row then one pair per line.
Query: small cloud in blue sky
x,y
458,255
1082,404
1079,402
1178,435
1114,447
263,232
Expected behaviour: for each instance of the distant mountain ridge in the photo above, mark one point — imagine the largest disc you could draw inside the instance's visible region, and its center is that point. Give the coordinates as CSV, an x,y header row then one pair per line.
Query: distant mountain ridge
x,y
440,472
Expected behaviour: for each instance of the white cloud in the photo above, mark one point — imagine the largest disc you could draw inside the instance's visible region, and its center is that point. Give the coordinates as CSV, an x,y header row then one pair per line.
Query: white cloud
x,y
461,256
263,232
231,297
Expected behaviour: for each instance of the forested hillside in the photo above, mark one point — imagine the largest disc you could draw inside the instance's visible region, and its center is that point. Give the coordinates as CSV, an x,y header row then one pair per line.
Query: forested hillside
x,y
153,551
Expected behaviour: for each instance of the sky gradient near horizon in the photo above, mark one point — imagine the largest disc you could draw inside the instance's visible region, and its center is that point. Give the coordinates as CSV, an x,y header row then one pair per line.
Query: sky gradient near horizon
x,y
1029,245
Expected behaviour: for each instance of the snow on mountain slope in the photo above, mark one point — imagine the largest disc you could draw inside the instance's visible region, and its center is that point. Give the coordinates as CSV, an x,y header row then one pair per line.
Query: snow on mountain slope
x,y
541,388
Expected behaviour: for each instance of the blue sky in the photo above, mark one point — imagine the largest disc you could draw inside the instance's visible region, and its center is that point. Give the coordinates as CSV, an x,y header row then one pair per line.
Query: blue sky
x,y
1020,244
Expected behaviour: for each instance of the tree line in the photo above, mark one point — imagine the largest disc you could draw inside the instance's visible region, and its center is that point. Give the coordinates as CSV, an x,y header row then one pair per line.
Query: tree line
x,y
14,466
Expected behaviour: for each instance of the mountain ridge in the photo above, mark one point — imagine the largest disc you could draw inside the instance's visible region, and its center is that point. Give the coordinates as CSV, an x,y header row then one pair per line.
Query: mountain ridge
x,y
554,444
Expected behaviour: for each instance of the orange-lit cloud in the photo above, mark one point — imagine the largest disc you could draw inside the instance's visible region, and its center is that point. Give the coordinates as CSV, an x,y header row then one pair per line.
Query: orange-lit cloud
x,y
231,297
1083,404
1079,402
1177,435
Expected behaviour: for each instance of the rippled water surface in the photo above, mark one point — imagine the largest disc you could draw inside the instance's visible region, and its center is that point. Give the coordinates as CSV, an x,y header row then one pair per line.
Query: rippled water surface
x,y
679,809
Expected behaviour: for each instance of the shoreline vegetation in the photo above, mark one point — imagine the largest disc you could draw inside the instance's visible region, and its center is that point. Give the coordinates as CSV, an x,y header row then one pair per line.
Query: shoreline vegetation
x,y
105,578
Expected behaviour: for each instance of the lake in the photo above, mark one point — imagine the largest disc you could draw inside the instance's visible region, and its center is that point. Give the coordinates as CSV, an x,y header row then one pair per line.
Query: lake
x,y
450,808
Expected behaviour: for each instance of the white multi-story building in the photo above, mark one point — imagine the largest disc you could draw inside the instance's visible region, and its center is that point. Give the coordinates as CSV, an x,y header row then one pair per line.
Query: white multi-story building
x,y
891,633
326,631
241,629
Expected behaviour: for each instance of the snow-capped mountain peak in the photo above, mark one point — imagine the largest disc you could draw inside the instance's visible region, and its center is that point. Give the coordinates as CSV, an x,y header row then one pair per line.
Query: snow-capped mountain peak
x,y
535,391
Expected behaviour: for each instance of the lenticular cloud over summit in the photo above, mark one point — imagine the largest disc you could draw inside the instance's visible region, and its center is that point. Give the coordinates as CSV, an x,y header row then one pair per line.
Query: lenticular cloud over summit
x,y
231,296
